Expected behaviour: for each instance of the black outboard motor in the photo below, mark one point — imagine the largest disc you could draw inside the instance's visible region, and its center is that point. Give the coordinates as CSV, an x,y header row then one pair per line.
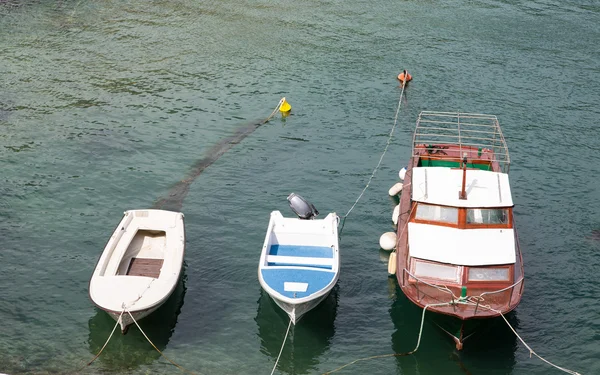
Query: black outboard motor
x,y
301,207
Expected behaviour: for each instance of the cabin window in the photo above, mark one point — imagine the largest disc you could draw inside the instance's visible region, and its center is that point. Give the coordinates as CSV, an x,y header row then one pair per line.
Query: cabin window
x,y
487,216
489,274
436,271
437,213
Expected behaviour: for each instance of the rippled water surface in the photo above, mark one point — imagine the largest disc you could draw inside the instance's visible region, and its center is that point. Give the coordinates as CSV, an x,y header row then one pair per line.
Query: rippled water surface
x,y
106,105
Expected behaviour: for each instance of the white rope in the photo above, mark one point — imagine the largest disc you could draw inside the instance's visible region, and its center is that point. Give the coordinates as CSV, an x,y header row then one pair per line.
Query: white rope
x,y
395,354
106,343
423,321
130,305
275,110
154,346
282,345
384,151
531,351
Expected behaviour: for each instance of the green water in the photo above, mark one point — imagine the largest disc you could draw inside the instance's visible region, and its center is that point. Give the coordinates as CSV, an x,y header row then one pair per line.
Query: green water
x,y
106,105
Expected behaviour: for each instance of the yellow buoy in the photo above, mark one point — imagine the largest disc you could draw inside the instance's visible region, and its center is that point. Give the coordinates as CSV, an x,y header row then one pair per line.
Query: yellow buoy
x,y
285,106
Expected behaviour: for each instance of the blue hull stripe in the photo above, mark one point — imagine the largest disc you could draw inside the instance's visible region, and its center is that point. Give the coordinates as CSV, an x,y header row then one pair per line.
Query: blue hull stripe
x,y
316,280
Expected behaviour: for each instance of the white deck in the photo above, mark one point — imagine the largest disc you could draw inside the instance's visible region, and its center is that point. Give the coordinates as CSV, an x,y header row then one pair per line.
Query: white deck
x,y
146,234
467,247
441,186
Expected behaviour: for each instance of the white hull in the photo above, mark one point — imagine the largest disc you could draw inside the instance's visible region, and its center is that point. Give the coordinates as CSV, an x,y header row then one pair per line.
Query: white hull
x,y
126,318
140,265
299,264
296,311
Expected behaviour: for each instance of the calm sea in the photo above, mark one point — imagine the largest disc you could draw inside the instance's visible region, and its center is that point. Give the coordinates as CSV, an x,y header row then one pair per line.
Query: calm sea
x,y
106,105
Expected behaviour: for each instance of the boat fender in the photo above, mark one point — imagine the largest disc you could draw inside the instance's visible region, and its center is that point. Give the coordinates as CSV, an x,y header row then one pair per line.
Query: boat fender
x,y
392,264
396,189
387,241
402,173
396,214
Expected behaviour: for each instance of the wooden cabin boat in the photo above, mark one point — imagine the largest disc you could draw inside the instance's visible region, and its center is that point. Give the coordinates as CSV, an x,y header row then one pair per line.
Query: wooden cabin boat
x,y
457,247
140,265
300,262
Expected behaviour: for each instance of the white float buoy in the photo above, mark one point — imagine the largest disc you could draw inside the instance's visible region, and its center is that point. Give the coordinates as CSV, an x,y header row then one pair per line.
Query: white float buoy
x,y
396,214
394,190
392,264
387,241
402,173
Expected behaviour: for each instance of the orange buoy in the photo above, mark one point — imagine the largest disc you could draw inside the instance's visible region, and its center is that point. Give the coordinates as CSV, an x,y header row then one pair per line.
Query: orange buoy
x,y
404,75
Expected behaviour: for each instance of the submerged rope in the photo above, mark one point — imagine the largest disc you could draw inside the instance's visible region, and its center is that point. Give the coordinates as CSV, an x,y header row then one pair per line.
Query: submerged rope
x,y
395,354
380,159
154,346
106,343
282,345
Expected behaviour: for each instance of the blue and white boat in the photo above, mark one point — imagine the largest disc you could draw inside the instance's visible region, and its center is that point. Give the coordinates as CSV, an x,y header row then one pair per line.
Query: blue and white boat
x,y
300,259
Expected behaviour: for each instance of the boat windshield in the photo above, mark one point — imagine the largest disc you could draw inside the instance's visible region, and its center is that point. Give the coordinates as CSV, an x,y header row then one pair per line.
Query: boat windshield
x,y
431,212
487,216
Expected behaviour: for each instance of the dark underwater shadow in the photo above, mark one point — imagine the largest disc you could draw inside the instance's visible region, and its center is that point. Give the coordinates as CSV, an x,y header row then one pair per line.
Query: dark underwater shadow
x,y
174,199
126,352
306,341
491,347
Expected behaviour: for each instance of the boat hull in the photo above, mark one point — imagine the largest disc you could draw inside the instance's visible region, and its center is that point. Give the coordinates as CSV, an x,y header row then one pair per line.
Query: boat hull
x,y
126,319
140,266
457,301
299,263
296,311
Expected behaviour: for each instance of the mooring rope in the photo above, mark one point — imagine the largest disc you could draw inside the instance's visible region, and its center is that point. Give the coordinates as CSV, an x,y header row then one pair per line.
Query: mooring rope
x,y
380,159
395,354
282,345
106,343
274,111
154,346
531,351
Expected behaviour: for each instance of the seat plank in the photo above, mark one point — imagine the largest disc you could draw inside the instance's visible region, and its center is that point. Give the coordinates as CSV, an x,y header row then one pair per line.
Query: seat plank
x,y
145,267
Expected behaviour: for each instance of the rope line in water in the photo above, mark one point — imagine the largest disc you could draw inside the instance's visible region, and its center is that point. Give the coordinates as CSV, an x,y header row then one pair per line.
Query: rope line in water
x,y
380,159
395,354
154,346
106,343
274,111
531,351
282,345
463,301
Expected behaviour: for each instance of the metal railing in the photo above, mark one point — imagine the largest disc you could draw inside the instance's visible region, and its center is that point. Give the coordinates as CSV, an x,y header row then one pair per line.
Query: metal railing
x,y
468,130
453,299
511,287
438,287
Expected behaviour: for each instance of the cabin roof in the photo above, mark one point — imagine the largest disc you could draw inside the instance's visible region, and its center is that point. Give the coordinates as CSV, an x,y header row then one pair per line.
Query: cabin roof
x,y
468,247
441,186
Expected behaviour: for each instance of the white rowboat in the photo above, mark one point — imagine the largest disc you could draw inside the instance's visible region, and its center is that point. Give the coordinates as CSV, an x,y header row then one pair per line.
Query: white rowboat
x,y
140,265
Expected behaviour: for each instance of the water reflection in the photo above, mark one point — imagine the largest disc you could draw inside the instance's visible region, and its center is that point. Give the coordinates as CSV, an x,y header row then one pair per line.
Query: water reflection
x,y
306,342
492,346
132,350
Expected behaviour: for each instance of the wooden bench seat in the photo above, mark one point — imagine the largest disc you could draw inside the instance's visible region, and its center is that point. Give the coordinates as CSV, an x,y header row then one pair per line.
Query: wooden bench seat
x,y
145,267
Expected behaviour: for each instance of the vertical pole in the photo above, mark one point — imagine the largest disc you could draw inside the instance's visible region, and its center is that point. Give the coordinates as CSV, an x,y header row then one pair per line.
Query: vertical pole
x,y
463,192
